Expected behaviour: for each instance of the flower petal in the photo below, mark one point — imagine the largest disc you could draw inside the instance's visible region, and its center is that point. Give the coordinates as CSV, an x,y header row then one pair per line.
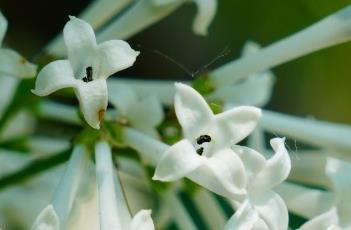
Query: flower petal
x,y
113,56
253,161
178,161
8,87
81,45
142,221
243,219
121,97
237,123
192,110
276,170
47,220
272,210
54,76
92,97
324,221
206,11
223,173
3,27
13,64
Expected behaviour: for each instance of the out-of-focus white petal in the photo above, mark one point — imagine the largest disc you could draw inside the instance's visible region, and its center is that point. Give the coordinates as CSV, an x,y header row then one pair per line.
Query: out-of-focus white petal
x,y
13,64
3,27
222,173
179,160
324,221
142,221
8,87
276,170
121,97
206,11
54,76
192,110
19,125
113,56
47,220
250,47
92,97
243,219
81,45
236,124
272,210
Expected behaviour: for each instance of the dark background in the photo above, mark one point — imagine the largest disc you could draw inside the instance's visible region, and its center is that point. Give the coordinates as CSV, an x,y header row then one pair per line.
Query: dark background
x,y
316,85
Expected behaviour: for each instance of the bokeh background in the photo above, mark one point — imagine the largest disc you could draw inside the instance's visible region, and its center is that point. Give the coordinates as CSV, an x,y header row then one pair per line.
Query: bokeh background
x,y
317,85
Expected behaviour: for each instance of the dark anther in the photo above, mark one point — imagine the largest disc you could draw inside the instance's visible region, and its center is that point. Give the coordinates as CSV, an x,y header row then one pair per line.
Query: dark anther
x,y
202,139
85,79
89,71
200,151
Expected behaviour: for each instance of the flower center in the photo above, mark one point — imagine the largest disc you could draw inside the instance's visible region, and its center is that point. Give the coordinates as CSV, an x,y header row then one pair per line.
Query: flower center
x,y
200,140
89,74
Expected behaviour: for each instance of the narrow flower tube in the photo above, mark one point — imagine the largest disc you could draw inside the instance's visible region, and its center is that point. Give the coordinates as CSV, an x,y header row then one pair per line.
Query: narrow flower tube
x,y
332,30
55,215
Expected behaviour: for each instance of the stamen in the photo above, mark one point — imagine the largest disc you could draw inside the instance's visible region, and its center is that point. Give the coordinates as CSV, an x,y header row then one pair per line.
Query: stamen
x,y
89,71
85,79
202,139
200,151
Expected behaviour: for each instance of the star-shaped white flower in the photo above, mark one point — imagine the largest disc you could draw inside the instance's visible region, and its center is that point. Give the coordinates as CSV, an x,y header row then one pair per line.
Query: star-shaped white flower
x,y
143,114
206,10
339,215
204,155
86,69
263,208
12,63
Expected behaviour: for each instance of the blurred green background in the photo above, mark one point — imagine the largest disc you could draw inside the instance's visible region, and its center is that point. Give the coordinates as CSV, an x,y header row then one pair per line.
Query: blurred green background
x,y
317,85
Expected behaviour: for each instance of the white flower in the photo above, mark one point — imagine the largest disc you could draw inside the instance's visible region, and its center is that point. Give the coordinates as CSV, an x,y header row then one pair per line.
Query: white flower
x,y
56,214
339,215
143,114
204,155
206,10
86,69
113,210
263,208
12,63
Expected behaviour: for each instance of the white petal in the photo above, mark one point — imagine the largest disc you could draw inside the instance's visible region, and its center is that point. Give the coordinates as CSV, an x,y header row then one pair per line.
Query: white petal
x,y
237,123
113,56
192,110
223,173
206,11
255,90
81,45
92,97
3,27
142,221
324,221
8,87
243,219
250,47
21,124
163,2
13,64
253,161
276,170
47,220
54,76
122,97
178,161
272,210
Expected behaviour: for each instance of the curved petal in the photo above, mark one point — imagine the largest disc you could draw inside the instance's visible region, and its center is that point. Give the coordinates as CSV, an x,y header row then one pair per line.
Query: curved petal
x,y
142,221
8,87
237,123
243,219
223,173
54,76
81,45
121,97
325,221
206,11
272,210
276,170
92,97
178,161
113,56
47,220
3,27
192,110
12,63
253,161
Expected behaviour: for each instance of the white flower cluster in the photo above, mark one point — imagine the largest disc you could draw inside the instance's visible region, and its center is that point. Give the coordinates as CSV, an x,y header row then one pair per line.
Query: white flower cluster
x,y
101,188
